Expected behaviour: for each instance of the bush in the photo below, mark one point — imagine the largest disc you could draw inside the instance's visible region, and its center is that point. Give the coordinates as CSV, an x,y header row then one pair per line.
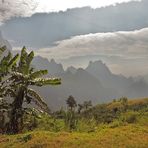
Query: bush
x,y
130,117
25,138
85,125
116,123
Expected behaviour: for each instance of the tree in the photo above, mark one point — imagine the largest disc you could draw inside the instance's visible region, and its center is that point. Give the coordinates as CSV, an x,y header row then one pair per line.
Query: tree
x,y
87,104
7,63
22,77
70,115
84,106
80,107
71,102
124,102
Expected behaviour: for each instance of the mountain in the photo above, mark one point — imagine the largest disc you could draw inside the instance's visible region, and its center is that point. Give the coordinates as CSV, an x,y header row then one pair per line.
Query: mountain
x,y
96,83
146,78
71,69
52,67
137,89
109,80
4,42
81,85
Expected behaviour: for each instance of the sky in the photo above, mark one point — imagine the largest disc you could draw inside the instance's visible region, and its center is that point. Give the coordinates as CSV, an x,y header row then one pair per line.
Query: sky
x,y
15,8
56,5
116,35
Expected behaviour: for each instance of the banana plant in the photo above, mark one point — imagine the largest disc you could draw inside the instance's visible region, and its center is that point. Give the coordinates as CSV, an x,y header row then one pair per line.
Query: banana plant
x,y
6,64
22,78
2,49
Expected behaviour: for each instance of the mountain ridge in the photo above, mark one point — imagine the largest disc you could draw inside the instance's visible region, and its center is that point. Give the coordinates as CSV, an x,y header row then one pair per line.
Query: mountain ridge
x,y
97,83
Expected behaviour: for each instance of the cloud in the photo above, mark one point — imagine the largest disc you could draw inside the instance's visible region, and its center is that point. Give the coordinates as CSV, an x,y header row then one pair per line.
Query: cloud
x,y
132,44
25,8
56,5
43,29
124,52
16,8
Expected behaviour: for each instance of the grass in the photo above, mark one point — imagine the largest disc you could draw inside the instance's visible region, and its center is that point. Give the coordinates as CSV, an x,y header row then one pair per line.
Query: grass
x,y
129,136
128,130
131,103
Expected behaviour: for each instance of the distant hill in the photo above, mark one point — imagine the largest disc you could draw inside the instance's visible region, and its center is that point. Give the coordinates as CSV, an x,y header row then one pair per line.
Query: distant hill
x,y
146,78
138,89
96,83
107,78
71,69
52,67
132,104
81,85
4,42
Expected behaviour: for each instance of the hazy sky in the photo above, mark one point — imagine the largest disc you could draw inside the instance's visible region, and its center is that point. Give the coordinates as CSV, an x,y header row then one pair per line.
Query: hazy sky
x,y
50,5
13,8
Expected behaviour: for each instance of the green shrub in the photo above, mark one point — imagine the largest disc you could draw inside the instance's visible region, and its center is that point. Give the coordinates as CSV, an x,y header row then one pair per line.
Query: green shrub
x,y
25,138
130,117
116,123
85,125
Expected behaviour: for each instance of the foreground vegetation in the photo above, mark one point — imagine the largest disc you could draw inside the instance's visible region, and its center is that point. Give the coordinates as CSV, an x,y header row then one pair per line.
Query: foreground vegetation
x,y
129,136
16,78
129,129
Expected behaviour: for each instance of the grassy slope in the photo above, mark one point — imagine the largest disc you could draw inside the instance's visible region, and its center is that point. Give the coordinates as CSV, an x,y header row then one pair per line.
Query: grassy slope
x,y
132,102
129,136
105,136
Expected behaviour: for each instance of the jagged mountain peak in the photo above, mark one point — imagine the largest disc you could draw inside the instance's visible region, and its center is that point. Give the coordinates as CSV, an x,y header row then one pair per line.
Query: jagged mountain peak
x,y
95,82
52,66
98,67
53,61
72,69
37,58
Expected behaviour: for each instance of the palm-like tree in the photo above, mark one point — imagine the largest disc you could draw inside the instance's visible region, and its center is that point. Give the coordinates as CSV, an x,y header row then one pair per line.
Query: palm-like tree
x,y
2,49
22,77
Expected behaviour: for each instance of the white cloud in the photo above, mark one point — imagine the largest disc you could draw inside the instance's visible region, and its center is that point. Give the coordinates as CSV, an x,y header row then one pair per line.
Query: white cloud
x,y
16,8
127,44
23,8
56,5
124,52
